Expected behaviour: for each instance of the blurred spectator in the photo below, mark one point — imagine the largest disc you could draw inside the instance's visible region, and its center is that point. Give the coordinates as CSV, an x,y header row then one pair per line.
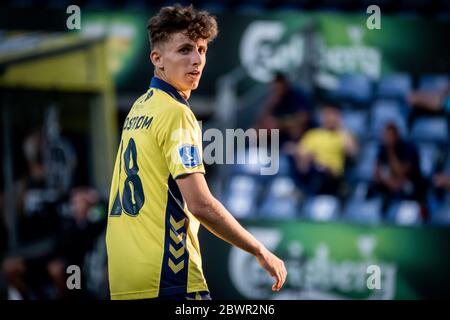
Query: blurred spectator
x,y
321,154
288,109
77,236
427,103
36,207
43,275
440,183
397,173
442,180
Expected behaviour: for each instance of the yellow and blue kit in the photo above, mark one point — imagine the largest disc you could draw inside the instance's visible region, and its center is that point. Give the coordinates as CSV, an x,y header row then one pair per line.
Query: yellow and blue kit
x,y
151,238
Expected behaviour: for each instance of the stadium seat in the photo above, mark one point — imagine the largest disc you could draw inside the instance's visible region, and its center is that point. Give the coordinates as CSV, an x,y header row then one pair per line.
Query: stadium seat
x,y
321,208
430,130
395,86
365,211
383,112
284,166
364,167
252,165
405,212
282,199
433,82
447,162
241,195
442,214
354,87
356,122
428,156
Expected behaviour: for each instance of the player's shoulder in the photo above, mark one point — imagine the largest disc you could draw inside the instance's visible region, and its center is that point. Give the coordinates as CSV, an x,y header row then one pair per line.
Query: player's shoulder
x,y
168,107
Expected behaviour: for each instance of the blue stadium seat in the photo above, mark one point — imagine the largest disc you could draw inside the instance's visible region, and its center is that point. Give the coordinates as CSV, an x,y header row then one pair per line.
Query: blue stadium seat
x,y
394,86
434,82
356,122
364,167
430,130
405,212
365,211
252,163
241,195
383,112
321,208
284,166
282,199
428,156
354,87
447,162
442,214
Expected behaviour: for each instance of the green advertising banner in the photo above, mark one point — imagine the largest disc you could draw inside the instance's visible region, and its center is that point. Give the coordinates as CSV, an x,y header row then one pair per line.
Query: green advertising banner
x,y
333,261
260,44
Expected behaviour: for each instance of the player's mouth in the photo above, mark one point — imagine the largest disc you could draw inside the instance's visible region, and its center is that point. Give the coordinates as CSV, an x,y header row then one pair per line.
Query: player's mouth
x,y
194,74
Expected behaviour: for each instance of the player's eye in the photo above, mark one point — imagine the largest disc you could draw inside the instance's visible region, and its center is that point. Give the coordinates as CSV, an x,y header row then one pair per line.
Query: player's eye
x,y
184,50
202,50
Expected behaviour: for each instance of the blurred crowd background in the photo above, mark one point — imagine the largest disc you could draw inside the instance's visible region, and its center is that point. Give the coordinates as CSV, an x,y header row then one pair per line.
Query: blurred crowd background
x,y
363,114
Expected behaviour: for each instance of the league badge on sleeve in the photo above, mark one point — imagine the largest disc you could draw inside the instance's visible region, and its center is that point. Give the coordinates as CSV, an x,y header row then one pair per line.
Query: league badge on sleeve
x,y
190,157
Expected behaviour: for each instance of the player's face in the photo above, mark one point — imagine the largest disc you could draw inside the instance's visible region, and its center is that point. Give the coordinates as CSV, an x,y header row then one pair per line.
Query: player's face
x,y
181,61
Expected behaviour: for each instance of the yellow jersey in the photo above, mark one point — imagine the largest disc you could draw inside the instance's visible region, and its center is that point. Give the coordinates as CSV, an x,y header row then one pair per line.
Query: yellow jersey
x,y
327,146
151,238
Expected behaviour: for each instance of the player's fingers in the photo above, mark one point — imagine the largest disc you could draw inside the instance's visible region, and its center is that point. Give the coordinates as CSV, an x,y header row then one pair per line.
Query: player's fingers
x,y
276,285
283,272
281,277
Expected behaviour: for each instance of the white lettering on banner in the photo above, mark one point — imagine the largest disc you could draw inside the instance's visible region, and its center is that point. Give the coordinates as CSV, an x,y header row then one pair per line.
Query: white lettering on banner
x,y
262,52
264,49
313,275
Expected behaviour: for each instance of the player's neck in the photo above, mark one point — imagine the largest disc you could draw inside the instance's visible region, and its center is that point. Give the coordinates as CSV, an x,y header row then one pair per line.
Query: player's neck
x,y
185,94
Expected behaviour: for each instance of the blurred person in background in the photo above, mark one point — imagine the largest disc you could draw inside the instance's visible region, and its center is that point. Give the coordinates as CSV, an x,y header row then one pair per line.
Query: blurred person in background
x,y
429,103
397,173
36,223
442,180
36,208
77,235
43,275
321,153
3,243
288,108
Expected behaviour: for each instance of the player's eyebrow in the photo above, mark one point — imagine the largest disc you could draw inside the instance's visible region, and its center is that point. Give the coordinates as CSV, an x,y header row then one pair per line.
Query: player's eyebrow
x,y
186,45
190,46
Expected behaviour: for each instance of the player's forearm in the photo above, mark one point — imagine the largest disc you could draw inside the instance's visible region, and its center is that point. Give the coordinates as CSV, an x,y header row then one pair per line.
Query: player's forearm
x,y
218,220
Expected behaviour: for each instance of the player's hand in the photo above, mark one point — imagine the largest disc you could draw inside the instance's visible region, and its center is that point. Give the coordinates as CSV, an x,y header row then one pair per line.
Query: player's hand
x,y
274,266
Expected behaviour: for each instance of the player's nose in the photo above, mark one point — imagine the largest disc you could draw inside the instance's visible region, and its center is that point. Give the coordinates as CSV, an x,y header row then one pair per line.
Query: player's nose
x,y
196,58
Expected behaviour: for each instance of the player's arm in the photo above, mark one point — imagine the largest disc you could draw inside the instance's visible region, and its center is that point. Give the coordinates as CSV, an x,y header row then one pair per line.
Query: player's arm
x,y
213,215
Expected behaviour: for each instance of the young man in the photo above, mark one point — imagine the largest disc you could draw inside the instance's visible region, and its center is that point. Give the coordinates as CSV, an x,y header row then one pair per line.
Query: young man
x,y
159,195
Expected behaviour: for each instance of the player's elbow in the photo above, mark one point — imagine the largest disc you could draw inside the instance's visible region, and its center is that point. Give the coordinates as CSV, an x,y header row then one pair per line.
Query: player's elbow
x,y
201,206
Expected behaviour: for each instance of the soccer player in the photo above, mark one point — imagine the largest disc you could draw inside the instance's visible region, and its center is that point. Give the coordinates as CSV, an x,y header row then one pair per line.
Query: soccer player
x,y
159,195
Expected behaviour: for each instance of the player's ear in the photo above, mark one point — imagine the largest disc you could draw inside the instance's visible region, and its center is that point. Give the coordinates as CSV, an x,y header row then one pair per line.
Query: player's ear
x,y
156,58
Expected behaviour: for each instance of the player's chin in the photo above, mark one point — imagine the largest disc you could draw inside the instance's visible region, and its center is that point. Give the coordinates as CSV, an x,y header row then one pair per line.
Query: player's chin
x,y
193,84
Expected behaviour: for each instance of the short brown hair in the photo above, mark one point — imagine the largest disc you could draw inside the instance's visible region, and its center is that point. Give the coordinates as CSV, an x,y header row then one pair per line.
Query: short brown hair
x,y
196,24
